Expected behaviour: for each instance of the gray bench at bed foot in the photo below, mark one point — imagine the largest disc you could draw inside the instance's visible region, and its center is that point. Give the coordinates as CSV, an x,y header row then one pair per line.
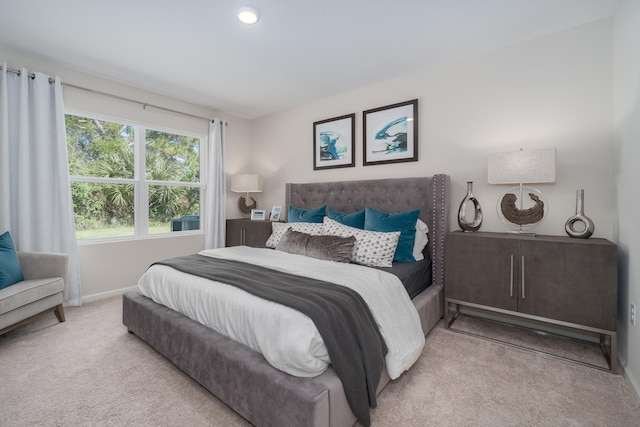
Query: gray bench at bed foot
x,y
237,375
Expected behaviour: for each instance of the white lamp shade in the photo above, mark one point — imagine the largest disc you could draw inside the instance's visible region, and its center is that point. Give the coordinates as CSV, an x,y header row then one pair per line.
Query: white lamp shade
x,y
521,167
246,183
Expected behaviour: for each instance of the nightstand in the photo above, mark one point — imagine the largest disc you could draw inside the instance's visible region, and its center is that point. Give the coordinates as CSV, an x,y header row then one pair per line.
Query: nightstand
x,y
553,280
247,232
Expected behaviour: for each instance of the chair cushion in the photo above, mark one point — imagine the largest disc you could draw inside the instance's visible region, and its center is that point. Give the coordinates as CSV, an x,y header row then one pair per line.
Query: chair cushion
x,y
26,292
10,271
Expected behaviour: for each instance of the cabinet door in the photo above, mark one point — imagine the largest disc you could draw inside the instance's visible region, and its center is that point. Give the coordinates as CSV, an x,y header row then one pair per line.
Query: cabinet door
x,y
247,232
257,233
574,282
481,269
234,232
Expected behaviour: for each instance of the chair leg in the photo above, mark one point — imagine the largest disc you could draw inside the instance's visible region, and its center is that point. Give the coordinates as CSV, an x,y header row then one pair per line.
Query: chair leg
x,y
59,312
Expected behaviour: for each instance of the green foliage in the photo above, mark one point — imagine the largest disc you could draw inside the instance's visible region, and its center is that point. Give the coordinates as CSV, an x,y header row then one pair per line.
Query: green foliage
x,y
86,208
103,149
182,151
89,141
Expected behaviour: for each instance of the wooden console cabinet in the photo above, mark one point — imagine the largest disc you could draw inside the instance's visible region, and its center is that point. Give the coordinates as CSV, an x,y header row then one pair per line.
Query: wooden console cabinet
x,y
247,232
551,279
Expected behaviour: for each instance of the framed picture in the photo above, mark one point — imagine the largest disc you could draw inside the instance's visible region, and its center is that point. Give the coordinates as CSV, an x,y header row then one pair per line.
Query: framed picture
x,y
391,133
275,213
334,142
258,214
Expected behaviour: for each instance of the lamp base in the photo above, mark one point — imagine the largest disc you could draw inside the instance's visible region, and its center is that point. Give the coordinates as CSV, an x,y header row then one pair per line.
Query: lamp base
x,y
242,204
522,233
522,209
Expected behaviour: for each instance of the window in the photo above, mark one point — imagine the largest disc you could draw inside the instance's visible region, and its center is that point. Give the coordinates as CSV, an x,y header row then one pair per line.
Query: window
x,y
132,180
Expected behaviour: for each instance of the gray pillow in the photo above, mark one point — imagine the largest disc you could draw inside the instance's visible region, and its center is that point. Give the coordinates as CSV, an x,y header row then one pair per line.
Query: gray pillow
x,y
293,242
330,248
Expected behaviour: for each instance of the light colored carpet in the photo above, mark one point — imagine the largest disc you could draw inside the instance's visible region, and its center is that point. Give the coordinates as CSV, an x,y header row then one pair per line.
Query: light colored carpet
x,y
573,349
89,371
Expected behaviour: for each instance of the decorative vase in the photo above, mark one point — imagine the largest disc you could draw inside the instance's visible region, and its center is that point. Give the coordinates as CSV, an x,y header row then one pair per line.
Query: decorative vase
x,y
463,219
585,230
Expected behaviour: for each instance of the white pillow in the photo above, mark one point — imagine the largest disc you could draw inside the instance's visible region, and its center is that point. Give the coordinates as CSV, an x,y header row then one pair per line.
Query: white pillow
x,y
279,228
372,248
421,240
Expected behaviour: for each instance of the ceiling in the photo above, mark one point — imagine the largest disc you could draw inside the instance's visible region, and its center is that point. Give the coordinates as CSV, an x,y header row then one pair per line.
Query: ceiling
x,y
299,51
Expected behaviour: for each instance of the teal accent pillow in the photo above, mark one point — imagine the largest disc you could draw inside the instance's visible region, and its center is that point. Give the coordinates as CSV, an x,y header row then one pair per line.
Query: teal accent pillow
x,y
355,219
306,215
404,222
10,270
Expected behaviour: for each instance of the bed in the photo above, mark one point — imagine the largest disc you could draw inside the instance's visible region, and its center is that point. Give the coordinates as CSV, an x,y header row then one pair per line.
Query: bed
x,y
241,377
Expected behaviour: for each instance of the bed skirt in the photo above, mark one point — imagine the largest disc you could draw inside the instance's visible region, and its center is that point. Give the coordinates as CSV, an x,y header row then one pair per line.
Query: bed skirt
x,y
241,377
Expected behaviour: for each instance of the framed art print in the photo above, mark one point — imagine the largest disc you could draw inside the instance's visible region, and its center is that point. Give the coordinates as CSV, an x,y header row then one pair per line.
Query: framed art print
x,y
391,133
334,142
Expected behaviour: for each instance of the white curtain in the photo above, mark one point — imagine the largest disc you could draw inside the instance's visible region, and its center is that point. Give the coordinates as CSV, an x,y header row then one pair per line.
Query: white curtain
x,y
35,194
215,188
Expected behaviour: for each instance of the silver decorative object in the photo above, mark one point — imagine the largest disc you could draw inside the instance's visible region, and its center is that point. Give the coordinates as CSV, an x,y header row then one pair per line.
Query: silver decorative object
x,y
463,220
587,227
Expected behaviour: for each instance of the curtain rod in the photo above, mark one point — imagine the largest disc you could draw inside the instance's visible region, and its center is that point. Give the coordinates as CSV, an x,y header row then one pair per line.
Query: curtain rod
x,y
18,72
144,104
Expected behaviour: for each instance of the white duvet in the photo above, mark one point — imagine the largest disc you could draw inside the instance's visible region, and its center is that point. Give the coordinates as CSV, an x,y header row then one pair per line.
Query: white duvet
x,y
287,338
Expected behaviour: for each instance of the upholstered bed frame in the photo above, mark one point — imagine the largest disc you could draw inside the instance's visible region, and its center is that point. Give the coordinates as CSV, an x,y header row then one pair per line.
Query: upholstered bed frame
x,y
241,377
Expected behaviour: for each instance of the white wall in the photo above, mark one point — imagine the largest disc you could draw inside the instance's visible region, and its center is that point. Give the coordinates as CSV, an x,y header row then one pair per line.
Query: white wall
x,y
553,91
107,268
627,134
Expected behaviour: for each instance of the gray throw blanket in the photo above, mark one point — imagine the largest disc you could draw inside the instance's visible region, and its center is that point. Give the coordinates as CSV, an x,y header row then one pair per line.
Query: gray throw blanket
x,y
349,331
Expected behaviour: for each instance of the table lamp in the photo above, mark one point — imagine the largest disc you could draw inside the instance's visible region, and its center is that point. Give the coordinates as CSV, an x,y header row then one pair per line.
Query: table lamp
x,y
246,183
522,208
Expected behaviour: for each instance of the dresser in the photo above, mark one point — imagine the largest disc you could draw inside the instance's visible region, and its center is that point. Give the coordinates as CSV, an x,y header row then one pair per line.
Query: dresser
x,y
247,232
557,280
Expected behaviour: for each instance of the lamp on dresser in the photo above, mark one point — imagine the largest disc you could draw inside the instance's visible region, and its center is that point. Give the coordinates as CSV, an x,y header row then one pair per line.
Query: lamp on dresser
x,y
246,183
522,208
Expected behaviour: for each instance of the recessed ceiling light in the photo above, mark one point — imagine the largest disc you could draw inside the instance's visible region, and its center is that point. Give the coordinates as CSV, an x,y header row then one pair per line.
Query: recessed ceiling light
x,y
247,15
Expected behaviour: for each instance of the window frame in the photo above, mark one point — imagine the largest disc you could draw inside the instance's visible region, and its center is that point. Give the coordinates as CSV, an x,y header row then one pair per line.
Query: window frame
x,y
140,182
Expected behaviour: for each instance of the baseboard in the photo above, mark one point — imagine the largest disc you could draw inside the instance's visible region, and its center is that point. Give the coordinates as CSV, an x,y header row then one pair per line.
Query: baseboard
x,y
633,382
103,295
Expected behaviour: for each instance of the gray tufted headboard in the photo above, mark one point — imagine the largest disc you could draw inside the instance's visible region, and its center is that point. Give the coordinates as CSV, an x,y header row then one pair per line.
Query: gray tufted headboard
x,y
429,194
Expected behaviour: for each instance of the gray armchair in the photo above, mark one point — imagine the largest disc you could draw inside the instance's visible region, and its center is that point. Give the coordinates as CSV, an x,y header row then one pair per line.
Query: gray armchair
x,y
44,289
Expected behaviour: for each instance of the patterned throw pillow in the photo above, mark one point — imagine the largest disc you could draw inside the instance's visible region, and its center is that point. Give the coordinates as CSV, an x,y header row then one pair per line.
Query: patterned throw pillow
x,y
279,228
372,248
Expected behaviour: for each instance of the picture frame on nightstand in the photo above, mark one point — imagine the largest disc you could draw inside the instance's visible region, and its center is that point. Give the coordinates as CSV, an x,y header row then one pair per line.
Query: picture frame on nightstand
x,y
258,214
275,213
